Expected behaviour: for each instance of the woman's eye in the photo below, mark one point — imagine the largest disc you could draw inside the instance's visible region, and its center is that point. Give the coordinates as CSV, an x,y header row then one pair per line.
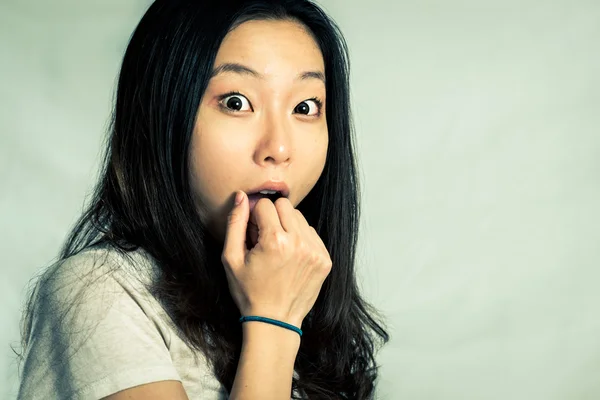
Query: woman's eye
x,y
236,102
310,107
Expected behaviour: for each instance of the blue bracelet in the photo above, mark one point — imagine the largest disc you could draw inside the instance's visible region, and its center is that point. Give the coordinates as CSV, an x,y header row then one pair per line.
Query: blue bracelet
x,y
272,322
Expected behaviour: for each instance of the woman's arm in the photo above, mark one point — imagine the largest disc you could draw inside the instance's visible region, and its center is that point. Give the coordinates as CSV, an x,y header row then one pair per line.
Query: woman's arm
x,y
266,365
264,371
172,390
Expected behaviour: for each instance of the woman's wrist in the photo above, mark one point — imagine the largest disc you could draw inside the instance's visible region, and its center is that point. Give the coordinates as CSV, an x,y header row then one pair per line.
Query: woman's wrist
x,y
266,365
270,336
265,313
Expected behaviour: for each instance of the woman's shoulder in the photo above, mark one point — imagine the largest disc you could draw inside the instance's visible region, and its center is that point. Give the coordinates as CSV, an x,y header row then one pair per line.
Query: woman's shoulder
x,y
95,288
96,280
95,265
95,328
97,272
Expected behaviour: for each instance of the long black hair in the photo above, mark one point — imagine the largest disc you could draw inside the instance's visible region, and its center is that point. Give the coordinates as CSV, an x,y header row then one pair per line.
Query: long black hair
x,y
143,199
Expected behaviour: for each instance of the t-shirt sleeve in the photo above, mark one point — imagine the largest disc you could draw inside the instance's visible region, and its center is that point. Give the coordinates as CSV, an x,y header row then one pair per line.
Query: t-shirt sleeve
x,y
93,332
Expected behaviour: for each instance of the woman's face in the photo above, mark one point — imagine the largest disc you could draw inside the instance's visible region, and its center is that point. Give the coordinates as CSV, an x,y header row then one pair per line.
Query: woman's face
x,y
261,119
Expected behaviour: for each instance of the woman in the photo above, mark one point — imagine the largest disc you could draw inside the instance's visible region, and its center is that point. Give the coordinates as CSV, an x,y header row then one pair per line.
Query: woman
x,y
217,256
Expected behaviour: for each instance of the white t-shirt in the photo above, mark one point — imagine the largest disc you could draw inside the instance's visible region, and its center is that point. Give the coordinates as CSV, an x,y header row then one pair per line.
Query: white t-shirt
x,y
115,336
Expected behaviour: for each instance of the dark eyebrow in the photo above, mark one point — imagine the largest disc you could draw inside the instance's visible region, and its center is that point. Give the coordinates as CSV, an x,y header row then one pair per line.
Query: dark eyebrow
x,y
236,68
243,70
312,75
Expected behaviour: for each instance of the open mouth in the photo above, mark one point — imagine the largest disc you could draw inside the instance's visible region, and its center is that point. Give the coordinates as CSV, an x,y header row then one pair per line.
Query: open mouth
x,y
253,198
272,195
265,194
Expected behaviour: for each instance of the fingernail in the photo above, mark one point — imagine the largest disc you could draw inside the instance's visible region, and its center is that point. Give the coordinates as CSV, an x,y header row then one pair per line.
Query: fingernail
x,y
239,197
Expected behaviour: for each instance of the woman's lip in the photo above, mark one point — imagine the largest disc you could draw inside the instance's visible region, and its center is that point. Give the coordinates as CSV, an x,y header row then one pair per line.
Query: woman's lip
x,y
278,186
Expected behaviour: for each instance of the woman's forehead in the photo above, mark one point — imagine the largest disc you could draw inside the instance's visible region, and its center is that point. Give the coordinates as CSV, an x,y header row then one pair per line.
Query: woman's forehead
x,y
271,48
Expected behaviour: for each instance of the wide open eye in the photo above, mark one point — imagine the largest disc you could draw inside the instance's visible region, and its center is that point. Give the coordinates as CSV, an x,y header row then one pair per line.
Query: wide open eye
x,y
310,107
235,102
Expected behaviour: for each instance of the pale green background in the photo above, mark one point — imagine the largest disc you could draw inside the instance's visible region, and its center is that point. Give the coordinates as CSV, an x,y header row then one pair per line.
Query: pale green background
x,y
479,137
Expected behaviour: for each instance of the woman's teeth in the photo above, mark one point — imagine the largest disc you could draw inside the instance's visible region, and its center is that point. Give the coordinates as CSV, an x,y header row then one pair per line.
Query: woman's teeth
x,y
269,194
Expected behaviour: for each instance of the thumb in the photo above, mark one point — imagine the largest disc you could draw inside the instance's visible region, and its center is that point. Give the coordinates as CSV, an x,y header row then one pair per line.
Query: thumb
x,y
234,247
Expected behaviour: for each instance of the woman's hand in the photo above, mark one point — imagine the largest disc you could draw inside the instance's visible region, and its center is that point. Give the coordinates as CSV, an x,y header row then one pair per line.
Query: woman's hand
x,y
281,276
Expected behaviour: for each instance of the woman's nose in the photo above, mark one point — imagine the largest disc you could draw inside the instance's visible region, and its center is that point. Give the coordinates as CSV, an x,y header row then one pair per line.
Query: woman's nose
x,y
274,145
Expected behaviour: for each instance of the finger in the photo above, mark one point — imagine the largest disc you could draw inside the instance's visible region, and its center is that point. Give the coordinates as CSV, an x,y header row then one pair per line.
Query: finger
x,y
234,247
287,215
301,219
317,238
310,231
265,216
304,226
